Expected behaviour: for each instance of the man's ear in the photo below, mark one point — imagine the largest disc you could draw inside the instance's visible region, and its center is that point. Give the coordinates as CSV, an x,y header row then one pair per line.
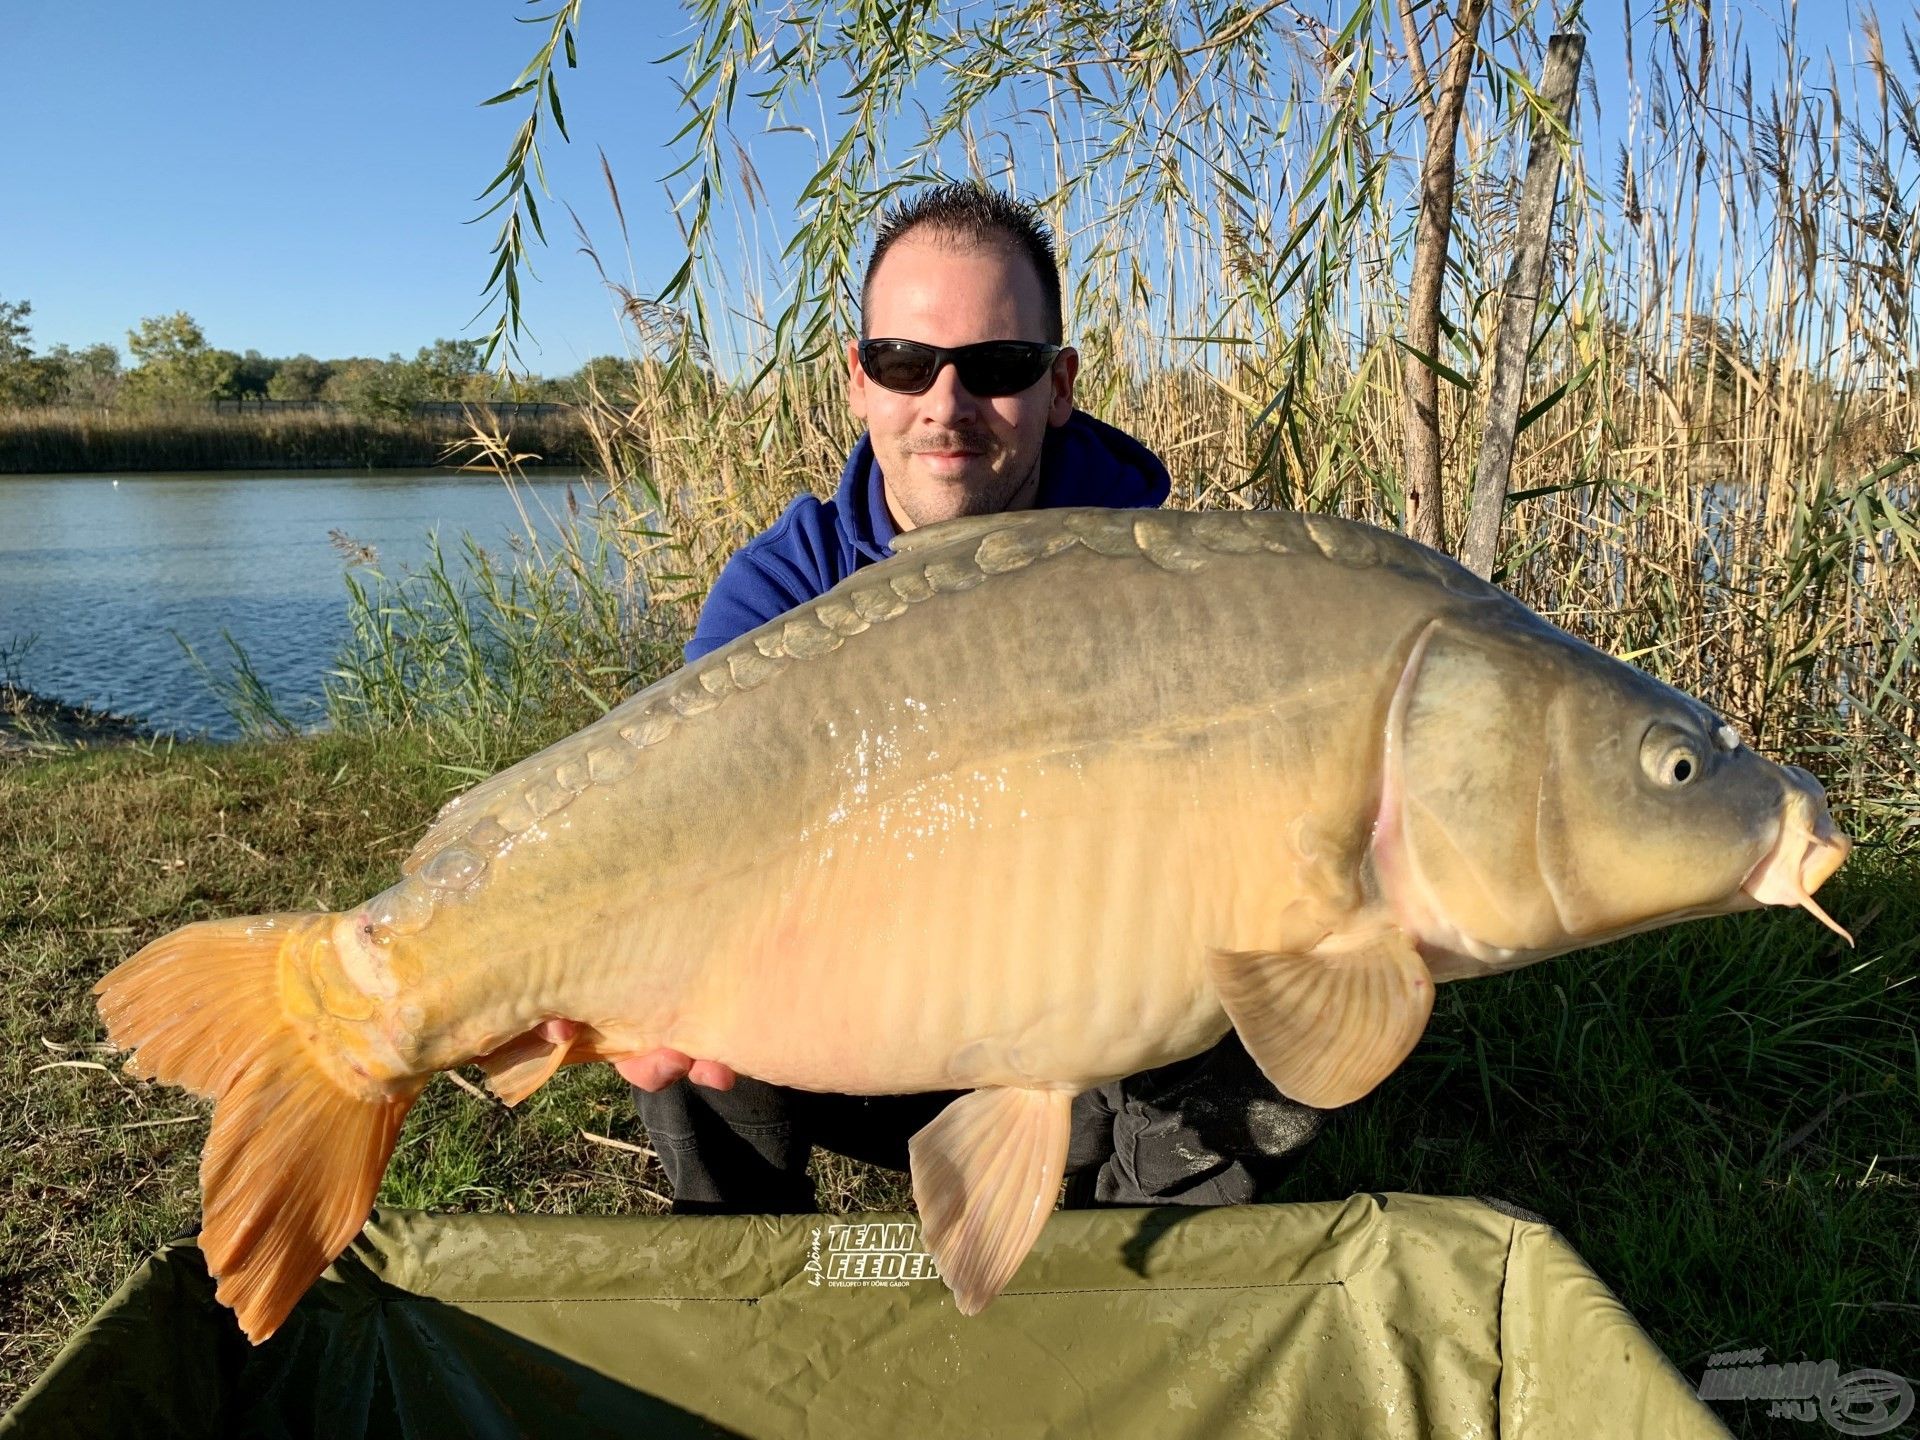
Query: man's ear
x,y
1066,367
856,382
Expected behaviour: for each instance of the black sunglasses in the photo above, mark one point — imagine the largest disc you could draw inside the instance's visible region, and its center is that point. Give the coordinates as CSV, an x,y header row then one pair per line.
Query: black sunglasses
x,y
989,369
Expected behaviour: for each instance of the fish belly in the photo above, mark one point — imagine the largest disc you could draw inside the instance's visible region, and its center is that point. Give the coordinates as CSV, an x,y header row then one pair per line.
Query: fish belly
x,y
972,932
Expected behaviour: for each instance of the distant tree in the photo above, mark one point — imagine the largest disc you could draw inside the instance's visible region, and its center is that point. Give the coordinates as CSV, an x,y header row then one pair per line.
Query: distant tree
x,y
342,379
389,387
90,376
554,389
36,380
300,378
606,374
253,373
25,379
232,363
14,331
174,365
450,370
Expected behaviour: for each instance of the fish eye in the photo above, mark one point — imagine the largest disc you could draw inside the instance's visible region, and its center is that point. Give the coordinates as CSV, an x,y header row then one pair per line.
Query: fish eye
x,y
1671,758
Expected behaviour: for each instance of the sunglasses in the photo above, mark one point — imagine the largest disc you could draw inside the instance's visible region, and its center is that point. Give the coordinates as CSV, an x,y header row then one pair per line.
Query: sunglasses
x,y
989,370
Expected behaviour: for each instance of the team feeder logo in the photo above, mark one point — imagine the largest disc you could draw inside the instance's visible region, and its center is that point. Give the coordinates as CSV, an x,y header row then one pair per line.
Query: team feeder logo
x,y
884,1253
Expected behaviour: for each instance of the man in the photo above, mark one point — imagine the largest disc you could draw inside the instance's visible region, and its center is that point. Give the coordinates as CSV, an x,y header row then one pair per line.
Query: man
x,y
966,390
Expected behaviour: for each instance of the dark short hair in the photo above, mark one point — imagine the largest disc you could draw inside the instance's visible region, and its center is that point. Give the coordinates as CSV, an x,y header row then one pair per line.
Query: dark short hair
x,y
976,214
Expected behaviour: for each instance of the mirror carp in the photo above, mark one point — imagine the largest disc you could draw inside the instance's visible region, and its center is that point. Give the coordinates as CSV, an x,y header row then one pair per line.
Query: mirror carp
x,y
1045,799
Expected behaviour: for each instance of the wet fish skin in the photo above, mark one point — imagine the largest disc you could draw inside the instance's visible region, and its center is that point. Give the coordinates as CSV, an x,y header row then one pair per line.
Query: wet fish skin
x,y
1044,800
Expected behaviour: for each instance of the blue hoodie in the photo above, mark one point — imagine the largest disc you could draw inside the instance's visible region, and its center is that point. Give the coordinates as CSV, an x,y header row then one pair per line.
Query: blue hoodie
x,y
816,544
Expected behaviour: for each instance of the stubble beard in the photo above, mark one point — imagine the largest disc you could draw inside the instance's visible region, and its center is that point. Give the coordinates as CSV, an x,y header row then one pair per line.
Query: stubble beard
x,y
1002,494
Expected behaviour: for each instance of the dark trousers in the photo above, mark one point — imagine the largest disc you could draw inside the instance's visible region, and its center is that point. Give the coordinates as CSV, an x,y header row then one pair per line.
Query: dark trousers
x,y
1209,1130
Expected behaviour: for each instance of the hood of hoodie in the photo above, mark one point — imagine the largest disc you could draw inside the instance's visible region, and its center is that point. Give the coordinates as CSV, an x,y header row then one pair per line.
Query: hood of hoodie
x,y
1083,462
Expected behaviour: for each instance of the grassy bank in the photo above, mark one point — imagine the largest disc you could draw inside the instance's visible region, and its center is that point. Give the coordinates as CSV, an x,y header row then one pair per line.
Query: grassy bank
x,y
1723,1119
101,851
55,441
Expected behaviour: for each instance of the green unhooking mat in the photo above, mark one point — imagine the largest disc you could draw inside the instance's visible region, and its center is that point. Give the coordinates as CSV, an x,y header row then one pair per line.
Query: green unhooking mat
x,y
1385,1315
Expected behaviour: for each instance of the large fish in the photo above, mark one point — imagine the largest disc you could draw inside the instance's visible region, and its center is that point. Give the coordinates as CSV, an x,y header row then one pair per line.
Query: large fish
x,y
1043,800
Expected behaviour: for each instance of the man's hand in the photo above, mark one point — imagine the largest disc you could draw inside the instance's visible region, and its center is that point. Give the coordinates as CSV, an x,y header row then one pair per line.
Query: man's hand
x,y
651,1069
657,1069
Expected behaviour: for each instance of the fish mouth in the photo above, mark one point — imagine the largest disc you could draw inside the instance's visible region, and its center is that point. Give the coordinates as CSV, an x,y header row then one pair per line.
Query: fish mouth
x,y
1806,852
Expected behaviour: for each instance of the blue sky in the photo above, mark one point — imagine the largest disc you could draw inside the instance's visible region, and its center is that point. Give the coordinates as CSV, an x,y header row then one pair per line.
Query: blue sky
x,y
296,178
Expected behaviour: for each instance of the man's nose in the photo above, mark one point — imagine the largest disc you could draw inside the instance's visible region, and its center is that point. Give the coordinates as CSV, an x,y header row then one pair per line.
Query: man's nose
x,y
947,400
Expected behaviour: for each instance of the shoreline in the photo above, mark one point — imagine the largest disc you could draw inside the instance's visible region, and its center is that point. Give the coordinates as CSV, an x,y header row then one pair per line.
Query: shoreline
x,y
551,471
531,464
32,725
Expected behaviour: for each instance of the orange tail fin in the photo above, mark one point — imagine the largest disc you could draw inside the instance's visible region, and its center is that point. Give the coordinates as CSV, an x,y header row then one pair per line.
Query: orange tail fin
x,y
294,1158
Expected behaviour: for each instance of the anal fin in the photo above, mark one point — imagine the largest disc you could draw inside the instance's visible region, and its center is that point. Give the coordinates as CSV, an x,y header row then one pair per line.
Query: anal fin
x,y
524,1064
986,1173
1328,1024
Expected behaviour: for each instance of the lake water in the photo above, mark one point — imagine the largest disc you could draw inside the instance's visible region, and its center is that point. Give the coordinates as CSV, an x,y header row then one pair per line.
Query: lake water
x,y
104,571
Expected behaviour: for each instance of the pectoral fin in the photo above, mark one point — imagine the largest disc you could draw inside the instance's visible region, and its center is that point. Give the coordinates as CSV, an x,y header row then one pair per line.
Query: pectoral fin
x,y
986,1173
1328,1024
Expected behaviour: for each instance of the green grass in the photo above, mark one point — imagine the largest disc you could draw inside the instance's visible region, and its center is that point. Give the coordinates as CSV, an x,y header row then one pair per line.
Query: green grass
x,y
101,851
1722,1118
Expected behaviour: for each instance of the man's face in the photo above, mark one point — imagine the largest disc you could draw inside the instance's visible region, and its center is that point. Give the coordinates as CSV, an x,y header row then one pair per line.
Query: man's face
x,y
948,453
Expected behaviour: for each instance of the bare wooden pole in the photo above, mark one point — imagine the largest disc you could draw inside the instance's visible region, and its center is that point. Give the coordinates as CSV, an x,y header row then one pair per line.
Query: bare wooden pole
x,y
1521,302
1420,393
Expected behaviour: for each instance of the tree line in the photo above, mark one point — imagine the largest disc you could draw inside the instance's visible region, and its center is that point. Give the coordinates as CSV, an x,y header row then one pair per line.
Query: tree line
x,y
170,364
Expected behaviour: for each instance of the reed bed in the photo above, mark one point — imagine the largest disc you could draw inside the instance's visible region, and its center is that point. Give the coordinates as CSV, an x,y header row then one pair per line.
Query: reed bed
x,y
59,441
484,654
1715,477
